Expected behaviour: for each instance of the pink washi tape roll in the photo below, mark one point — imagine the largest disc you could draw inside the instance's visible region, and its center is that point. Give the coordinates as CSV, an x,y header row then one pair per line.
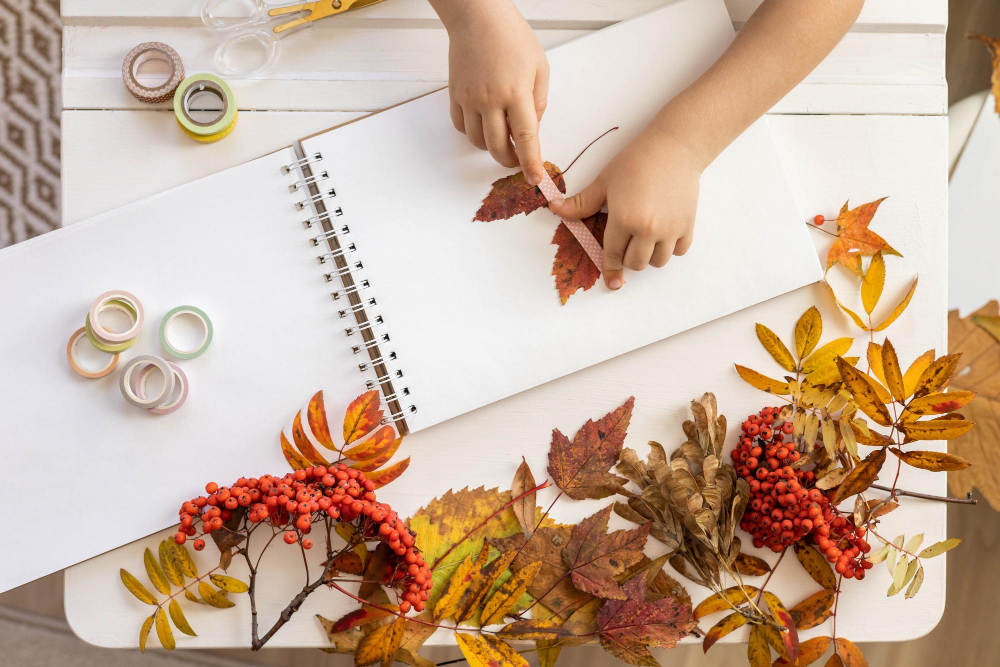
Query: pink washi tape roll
x,y
181,389
577,228
152,51
102,333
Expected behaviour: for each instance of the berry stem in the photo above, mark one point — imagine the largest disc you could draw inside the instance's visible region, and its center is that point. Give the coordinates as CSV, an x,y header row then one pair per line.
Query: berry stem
x,y
770,574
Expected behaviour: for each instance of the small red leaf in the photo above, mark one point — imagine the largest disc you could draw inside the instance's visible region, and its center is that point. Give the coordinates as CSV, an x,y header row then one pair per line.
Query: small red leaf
x,y
572,267
513,194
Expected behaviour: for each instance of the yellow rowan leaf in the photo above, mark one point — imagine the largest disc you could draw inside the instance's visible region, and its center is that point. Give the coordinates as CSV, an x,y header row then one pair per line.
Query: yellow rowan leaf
x,y
776,348
168,563
136,588
163,631
177,616
937,375
900,307
875,361
892,372
732,622
873,283
381,644
807,332
826,354
144,632
478,653
854,316
915,370
762,382
508,656
758,651
507,595
155,573
936,429
448,605
229,584
864,394
183,559
939,404
727,599
827,374
214,597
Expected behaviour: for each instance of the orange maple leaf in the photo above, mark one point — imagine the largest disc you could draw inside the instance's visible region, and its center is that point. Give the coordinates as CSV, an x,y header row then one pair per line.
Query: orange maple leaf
x,y
855,240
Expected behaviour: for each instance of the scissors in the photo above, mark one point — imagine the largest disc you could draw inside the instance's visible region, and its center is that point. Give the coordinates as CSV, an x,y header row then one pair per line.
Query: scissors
x,y
260,31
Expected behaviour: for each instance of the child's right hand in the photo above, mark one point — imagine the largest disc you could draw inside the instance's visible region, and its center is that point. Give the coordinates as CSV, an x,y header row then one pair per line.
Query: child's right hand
x,y
498,80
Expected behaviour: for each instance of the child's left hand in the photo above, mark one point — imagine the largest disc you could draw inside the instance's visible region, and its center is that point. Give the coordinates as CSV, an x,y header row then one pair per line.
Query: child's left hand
x,y
651,189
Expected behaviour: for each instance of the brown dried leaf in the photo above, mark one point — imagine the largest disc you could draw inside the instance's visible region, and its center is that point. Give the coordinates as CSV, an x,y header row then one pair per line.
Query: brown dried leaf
x,y
551,586
512,195
594,556
861,477
814,610
750,566
581,468
863,393
524,509
933,461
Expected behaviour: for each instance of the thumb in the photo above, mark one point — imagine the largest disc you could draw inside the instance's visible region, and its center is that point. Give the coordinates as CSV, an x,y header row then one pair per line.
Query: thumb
x,y
583,204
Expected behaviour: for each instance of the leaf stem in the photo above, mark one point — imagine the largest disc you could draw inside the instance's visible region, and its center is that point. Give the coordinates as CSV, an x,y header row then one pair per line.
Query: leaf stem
x,y
588,146
968,500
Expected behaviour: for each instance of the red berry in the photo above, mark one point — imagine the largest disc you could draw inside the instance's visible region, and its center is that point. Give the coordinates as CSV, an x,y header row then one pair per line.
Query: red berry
x,y
290,537
819,220
307,544
199,544
180,538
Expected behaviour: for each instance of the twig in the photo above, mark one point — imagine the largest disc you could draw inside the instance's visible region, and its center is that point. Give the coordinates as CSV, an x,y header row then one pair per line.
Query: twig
x,y
588,146
968,500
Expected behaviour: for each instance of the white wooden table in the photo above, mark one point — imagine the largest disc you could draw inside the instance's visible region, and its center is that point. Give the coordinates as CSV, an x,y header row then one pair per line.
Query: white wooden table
x,y
867,123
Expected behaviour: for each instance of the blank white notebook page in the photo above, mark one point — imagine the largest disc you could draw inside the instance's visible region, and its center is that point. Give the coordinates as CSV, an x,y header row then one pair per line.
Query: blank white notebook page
x,y
231,244
471,307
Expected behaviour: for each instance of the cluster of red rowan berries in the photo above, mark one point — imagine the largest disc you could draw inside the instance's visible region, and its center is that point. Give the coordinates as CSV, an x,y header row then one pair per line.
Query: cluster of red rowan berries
x,y
297,500
784,504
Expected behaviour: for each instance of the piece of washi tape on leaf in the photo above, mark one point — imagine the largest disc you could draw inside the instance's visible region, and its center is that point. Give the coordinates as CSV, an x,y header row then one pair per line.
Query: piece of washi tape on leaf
x,y
577,228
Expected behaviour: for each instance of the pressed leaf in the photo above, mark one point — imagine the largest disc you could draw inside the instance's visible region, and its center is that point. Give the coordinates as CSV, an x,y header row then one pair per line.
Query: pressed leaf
x,y
506,652
827,354
850,654
815,565
850,313
305,447
460,582
296,460
627,628
155,573
136,588
581,467
534,628
362,417
790,638
144,632
864,394
594,556
762,382
163,631
374,447
892,373
381,644
183,559
916,369
386,475
733,596
814,610
732,622
177,616
478,653
229,584
355,619
834,661
485,581
933,461
861,477
501,602
193,598
915,584
936,429
318,423
750,566
939,404
168,563
939,548
758,651
572,267
855,240
214,597
898,310
848,437
873,283
775,348
808,330
371,465
810,651
937,375
524,509
512,195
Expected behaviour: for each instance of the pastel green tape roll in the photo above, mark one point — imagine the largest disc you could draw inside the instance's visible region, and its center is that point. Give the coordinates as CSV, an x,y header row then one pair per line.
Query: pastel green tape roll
x,y
112,347
198,83
165,332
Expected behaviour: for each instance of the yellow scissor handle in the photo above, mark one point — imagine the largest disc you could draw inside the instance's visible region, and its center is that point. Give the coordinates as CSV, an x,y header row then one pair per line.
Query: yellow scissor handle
x,y
317,10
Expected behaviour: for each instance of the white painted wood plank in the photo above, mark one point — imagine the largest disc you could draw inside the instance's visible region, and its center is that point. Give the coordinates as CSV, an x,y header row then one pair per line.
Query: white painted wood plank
x,y
926,14
338,69
829,159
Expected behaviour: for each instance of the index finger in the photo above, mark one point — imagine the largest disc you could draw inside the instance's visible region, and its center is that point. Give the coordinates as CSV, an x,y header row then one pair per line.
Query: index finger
x,y
524,130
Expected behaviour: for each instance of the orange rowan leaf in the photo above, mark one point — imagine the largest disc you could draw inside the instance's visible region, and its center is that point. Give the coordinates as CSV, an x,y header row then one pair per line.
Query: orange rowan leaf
x,y
374,447
727,599
850,654
810,651
318,424
789,638
294,459
861,477
581,467
302,442
993,45
628,627
732,622
379,461
855,239
595,556
933,461
363,415
512,195
572,267
382,477
814,610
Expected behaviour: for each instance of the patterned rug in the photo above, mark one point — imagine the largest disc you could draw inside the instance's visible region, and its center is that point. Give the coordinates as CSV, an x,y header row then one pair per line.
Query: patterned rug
x,y
30,63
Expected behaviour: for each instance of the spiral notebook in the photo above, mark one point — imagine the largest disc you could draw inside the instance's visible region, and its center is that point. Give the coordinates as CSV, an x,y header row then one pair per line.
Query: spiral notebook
x,y
352,259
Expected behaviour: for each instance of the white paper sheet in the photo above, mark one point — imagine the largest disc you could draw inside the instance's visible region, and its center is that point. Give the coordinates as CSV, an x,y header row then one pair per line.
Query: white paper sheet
x,y
231,244
471,307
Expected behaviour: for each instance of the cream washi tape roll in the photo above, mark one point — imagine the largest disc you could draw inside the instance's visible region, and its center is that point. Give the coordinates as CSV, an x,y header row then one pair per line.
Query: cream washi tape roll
x,y
211,130
181,388
128,389
74,361
144,53
206,338
111,348
102,303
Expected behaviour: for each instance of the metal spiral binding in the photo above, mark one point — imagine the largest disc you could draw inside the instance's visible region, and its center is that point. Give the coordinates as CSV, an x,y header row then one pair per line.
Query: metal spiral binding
x,y
342,255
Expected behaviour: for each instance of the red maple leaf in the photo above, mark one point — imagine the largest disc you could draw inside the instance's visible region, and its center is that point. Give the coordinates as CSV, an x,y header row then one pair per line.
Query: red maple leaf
x,y
513,194
581,467
595,557
628,627
572,267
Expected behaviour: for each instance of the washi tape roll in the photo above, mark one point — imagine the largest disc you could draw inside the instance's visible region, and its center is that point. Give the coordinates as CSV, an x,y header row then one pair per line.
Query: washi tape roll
x,y
144,53
103,302
181,389
74,360
206,338
120,306
128,388
205,131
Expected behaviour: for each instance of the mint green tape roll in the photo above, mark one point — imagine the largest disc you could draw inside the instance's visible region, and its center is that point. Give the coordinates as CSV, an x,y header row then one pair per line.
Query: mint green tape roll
x,y
112,348
165,332
197,83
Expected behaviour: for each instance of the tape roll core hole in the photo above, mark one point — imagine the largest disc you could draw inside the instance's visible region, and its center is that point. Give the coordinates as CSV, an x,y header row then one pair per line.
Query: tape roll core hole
x,y
114,319
89,357
157,69
186,332
204,104
152,383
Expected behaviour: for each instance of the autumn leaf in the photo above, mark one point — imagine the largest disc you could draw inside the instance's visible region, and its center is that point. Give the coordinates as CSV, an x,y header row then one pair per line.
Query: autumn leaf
x,y
523,488
810,651
850,654
814,610
362,416
552,585
861,477
305,447
750,566
229,584
827,355
936,429
728,599
296,460
501,602
373,464
572,267
815,565
382,477
628,627
512,195
808,330
933,461
939,548
993,46
373,447
381,644
213,597
168,563
581,467
863,393
937,375
855,240
900,307
732,622
758,652
177,616
775,348
354,619
163,631
891,372
135,587
155,573
873,283
789,638
595,556
144,632
318,424
762,382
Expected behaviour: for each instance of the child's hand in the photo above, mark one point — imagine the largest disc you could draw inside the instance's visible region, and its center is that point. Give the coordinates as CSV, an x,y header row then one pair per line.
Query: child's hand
x,y
651,189
498,80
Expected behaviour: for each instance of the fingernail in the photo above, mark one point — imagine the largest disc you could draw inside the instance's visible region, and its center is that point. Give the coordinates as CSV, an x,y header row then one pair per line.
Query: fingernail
x,y
615,284
533,178
558,201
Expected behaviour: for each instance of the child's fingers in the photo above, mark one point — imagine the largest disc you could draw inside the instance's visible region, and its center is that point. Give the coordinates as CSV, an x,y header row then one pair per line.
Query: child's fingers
x,y
683,244
524,130
637,253
457,117
583,204
498,138
541,92
616,240
474,128
662,253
